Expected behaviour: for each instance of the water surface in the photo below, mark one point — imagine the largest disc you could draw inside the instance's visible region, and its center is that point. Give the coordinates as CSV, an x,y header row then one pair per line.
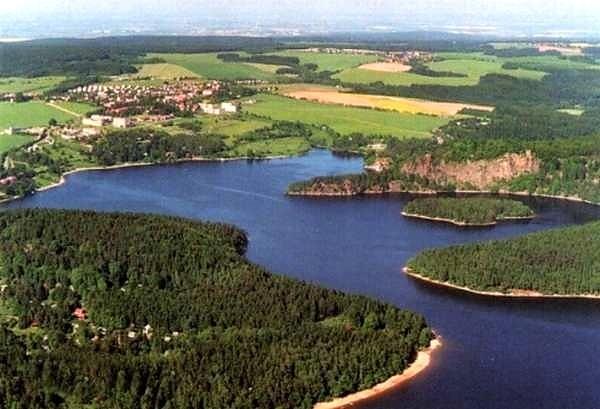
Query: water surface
x,y
496,354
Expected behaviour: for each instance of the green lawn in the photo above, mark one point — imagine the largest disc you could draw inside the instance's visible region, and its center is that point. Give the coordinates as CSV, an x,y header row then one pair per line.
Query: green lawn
x,y
8,142
210,67
29,114
41,84
474,65
329,62
345,119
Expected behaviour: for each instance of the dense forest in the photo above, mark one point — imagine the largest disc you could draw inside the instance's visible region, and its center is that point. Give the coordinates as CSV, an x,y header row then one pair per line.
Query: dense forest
x,y
139,311
562,261
468,210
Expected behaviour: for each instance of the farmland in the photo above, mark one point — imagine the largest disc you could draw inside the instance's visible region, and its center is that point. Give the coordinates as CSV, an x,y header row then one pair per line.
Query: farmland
x,y
345,120
329,62
472,66
29,114
37,85
210,67
78,108
164,71
328,95
8,142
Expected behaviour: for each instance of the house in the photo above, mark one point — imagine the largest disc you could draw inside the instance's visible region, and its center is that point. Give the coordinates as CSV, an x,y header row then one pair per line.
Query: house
x,y
229,107
122,122
97,120
8,181
210,109
80,314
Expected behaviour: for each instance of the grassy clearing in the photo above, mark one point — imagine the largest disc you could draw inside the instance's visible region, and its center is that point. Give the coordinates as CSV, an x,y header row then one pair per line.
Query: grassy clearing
x,y
329,62
474,67
164,71
37,85
29,114
275,147
345,120
268,68
210,67
8,142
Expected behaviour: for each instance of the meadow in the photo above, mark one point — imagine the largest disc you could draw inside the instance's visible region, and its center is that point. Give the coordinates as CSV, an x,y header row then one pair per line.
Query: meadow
x,y
276,147
329,62
36,85
210,67
345,120
78,108
8,142
29,114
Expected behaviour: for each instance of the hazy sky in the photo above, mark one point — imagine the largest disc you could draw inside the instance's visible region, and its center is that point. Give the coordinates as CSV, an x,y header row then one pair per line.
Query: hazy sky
x,y
557,14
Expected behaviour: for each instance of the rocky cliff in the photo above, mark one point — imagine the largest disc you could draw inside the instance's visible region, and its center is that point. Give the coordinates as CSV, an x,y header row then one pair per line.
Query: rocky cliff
x,y
480,174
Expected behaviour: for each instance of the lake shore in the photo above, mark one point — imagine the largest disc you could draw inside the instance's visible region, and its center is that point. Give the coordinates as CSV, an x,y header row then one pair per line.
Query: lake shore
x,y
465,224
421,363
514,293
63,177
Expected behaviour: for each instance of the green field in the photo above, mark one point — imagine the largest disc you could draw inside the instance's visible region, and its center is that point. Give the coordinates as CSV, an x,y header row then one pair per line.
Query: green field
x,y
38,85
474,66
8,142
329,62
210,67
164,71
29,114
345,120
79,108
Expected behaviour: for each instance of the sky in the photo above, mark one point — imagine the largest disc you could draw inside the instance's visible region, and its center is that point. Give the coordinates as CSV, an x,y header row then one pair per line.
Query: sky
x,y
400,15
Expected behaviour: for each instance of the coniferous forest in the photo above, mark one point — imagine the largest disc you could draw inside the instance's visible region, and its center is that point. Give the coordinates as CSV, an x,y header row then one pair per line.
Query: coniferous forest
x,y
138,311
562,261
470,210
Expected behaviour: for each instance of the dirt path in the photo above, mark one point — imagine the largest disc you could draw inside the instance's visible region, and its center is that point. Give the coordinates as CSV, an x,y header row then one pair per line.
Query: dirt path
x,y
65,110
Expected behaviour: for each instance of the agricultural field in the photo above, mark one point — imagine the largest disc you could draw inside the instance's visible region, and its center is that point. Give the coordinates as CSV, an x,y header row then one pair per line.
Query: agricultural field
x,y
329,62
164,72
8,142
36,85
345,120
330,95
29,114
473,66
210,67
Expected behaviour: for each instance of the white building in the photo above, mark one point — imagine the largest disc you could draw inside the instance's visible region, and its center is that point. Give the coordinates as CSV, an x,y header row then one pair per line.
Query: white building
x,y
210,109
229,107
97,120
122,123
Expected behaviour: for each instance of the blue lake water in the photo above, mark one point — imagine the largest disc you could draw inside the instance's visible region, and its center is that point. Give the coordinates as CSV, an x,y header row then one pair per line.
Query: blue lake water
x,y
497,353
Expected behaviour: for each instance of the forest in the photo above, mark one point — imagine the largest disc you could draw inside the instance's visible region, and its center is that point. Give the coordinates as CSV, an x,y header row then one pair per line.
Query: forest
x,y
562,261
106,310
468,210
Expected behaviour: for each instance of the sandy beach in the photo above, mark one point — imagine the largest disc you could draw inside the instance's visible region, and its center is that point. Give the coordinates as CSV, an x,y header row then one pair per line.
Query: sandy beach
x,y
423,360
465,224
513,293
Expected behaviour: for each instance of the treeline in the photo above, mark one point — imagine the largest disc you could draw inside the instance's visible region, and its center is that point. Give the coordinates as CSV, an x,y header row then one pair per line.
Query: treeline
x,y
279,129
523,122
220,332
472,210
562,261
150,145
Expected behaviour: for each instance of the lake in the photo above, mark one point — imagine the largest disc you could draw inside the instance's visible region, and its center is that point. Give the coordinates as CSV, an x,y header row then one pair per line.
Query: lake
x,y
497,353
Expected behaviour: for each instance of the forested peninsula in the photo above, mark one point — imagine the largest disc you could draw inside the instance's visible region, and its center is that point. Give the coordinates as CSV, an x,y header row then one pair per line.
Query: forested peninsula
x,y
555,263
164,312
468,211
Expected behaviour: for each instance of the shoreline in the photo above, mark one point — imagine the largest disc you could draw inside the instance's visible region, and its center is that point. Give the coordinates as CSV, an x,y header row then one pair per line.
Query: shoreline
x,y
514,294
422,362
466,224
63,177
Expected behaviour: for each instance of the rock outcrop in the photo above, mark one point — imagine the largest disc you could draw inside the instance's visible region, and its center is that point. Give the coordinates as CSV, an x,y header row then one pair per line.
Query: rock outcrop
x,y
480,174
